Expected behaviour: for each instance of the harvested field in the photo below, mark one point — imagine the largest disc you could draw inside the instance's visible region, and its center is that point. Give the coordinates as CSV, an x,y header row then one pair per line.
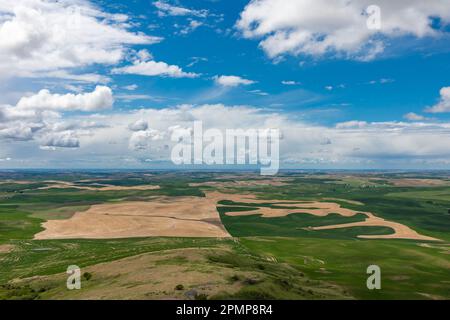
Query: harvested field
x,y
198,217
322,209
419,182
16,181
276,182
358,203
163,216
98,187
400,231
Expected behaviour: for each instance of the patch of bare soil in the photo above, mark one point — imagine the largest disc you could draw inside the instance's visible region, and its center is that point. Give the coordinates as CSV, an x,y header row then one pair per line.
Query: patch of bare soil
x,y
5,248
170,274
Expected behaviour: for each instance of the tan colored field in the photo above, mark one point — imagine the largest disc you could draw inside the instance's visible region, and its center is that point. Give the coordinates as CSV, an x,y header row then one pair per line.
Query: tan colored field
x,y
100,187
277,182
419,182
16,181
162,216
400,231
197,217
346,201
322,209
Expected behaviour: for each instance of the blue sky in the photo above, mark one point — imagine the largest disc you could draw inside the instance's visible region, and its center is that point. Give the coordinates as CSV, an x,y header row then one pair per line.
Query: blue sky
x,y
415,73
312,68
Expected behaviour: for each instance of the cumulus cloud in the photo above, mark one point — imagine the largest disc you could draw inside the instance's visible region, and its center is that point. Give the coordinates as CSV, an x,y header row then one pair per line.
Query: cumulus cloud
x,y
99,99
60,140
39,117
105,139
153,68
349,142
321,27
138,125
18,133
39,36
444,104
140,140
232,81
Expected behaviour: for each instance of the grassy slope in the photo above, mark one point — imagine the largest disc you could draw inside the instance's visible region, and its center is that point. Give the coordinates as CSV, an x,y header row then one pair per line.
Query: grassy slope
x,y
407,268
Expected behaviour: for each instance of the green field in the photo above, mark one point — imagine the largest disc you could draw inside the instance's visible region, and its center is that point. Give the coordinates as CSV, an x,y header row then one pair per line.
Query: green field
x,y
267,258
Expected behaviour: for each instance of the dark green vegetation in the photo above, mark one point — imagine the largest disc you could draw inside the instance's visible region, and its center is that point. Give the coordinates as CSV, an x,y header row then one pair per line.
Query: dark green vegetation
x,y
291,262
294,225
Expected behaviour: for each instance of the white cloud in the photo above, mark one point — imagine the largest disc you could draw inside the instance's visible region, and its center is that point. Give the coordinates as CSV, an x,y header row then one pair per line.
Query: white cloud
x,y
38,36
101,98
104,140
166,9
382,81
232,81
321,27
192,26
131,87
259,92
19,132
79,78
38,117
132,97
140,140
153,68
60,140
144,55
411,116
196,60
290,83
351,124
444,104
138,125
350,142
